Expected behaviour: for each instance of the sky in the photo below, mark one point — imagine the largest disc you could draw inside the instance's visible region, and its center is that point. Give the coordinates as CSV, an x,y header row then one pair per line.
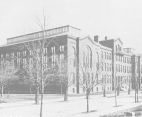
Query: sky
x,y
112,18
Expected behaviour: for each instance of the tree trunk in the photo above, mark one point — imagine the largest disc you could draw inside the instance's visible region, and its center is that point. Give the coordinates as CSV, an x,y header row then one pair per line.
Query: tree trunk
x,y
37,95
137,94
66,94
87,94
8,90
41,106
1,91
115,98
87,103
118,90
104,92
129,90
61,89
30,89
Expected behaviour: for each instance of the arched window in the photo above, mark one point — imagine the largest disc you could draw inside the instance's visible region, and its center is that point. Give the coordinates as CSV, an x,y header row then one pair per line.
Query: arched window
x,y
73,53
83,59
97,60
89,56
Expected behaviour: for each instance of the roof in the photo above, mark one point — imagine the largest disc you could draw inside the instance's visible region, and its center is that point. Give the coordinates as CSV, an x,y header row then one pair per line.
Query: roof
x,y
119,40
97,44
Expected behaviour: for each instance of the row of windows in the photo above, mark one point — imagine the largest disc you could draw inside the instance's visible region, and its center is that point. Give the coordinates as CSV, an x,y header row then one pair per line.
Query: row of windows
x,y
106,79
61,49
25,52
124,69
123,79
45,59
97,89
106,55
123,59
106,67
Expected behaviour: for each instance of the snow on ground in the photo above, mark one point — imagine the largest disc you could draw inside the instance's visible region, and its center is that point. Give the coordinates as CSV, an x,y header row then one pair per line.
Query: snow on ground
x,y
74,107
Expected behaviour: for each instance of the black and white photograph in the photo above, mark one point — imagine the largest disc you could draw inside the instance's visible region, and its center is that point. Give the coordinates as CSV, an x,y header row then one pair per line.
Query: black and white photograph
x,y
70,58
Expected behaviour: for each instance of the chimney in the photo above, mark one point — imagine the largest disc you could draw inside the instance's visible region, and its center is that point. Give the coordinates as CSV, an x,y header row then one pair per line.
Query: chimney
x,y
105,37
96,38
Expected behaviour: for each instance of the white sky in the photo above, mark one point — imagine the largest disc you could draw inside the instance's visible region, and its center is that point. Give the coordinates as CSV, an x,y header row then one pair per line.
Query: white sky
x,y
111,18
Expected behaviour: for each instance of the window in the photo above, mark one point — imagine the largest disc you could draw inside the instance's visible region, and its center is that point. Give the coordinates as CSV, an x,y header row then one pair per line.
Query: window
x,y
18,62
73,78
62,48
102,54
116,68
107,67
127,69
89,57
83,59
53,49
24,53
107,56
102,79
110,67
102,66
73,53
110,56
97,60
110,79
107,79
18,54
1,55
7,55
54,58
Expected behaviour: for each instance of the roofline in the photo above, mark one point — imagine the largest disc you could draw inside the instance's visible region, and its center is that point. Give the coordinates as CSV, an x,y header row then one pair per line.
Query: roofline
x,y
97,44
10,44
41,31
119,39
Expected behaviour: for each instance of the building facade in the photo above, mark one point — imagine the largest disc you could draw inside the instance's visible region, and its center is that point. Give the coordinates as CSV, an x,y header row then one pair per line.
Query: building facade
x,y
115,62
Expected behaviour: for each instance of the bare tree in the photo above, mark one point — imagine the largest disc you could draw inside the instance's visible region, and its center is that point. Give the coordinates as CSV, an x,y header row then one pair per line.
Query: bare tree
x,y
66,79
129,84
41,64
7,74
104,83
89,77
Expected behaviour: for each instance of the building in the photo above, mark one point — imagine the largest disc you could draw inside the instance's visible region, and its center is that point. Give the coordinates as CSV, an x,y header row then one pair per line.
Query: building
x,y
113,60
126,62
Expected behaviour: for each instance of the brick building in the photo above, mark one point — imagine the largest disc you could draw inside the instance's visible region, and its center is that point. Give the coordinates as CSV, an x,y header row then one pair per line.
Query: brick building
x,y
75,49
